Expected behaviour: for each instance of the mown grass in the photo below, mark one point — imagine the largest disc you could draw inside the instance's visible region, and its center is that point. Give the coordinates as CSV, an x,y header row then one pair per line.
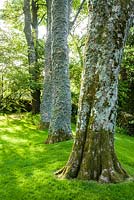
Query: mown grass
x,y
27,166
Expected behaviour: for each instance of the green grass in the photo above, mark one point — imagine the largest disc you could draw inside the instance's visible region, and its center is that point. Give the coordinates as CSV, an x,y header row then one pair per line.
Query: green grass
x,y
27,166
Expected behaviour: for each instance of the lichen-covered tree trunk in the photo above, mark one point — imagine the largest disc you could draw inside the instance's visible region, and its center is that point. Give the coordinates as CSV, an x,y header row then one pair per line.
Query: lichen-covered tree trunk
x,y
32,51
47,88
60,125
93,156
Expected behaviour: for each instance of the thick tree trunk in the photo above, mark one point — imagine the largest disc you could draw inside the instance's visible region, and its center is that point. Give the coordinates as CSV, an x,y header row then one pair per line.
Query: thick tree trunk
x,y
47,89
93,156
32,43
60,125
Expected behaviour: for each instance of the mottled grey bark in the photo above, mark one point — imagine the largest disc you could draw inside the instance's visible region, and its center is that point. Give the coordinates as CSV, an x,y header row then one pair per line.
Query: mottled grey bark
x,y
93,156
47,88
32,51
46,104
60,125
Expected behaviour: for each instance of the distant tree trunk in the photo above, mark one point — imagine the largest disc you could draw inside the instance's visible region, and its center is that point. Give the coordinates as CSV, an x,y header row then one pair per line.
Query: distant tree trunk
x,y
46,104
32,42
36,90
60,125
93,156
1,87
47,89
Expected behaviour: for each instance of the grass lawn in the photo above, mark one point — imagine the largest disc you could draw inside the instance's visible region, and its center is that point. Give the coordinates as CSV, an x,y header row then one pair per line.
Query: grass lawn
x,y
27,166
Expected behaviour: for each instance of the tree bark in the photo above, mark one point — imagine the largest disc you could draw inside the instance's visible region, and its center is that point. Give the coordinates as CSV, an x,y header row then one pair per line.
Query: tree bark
x,y
32,42
60,125
93,156
47,89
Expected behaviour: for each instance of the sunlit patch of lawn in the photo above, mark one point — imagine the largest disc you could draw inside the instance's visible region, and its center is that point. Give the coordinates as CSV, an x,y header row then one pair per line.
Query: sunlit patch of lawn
x,y
27,165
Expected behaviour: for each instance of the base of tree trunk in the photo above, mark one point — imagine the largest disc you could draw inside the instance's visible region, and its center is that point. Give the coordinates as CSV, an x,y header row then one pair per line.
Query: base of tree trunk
x,y
106,176
95,161
44,125
58,137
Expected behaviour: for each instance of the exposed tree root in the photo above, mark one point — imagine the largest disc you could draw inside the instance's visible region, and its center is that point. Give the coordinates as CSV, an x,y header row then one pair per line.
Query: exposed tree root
x,y
106,176
97,161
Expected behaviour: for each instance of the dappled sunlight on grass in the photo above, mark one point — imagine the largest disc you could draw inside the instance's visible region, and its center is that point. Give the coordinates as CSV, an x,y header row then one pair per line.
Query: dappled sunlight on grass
x,y
28,165
12,140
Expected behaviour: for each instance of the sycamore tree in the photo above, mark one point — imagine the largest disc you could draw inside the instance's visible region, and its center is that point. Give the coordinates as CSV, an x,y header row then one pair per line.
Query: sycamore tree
x,y
46,103
56,101
60,124
31,33
93,156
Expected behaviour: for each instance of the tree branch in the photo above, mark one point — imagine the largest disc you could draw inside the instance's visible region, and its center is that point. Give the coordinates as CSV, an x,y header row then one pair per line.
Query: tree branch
x,y
41,19
76,16
41,4
78,49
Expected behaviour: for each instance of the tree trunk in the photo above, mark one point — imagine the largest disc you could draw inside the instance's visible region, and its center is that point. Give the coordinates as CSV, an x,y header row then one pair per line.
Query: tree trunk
x,y
47,89
32,43
93,156
60,125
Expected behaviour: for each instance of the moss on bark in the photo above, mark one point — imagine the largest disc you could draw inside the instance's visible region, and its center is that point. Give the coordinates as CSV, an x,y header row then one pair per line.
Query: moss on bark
x,y
97,161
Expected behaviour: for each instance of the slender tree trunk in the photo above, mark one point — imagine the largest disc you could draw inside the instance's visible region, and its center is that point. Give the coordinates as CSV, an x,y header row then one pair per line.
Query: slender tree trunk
x,y
1,87
60,125
93,156
47,89
32,52
46,104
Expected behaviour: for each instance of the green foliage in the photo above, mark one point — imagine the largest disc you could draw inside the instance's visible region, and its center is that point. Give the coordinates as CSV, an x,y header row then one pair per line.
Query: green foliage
x,y
42,12
76,44
76,4
14,76
13,13
120,130
126,78
123,94
16,82
28,165
75,76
